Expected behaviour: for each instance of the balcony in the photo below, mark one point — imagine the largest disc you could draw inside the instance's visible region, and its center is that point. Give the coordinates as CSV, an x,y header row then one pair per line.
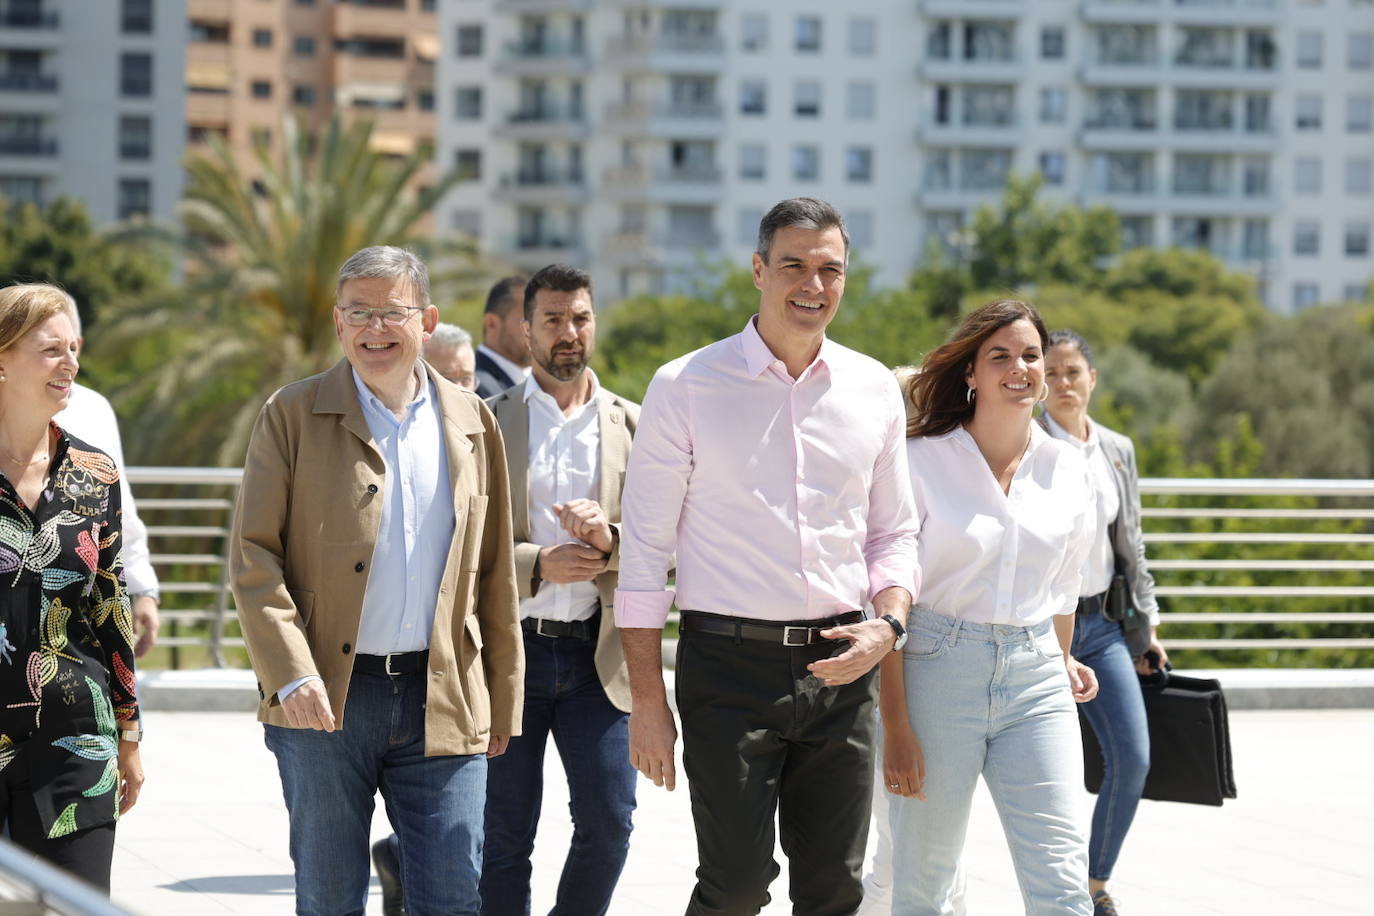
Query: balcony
x,y
684,120
973,9
954,69
546,58
1227,12
670,247
668,184
1122,11
997,132
28,146
668,52
547,122
542,186
26,18
535,250
541,6
27,82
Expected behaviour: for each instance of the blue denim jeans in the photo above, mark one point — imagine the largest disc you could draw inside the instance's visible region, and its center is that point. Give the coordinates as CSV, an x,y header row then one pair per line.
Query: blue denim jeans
x,y
563,698
329,780
990,700
1117,717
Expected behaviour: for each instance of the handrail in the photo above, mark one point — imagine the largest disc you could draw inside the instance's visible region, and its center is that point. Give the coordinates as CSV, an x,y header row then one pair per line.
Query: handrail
x,y
25,879
1328,573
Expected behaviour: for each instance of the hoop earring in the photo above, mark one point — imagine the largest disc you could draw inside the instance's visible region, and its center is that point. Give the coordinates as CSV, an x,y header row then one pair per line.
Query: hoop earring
x,y
1046,396
969,395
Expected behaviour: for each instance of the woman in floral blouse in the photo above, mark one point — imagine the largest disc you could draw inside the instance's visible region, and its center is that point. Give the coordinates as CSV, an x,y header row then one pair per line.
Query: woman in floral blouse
x,y
69,726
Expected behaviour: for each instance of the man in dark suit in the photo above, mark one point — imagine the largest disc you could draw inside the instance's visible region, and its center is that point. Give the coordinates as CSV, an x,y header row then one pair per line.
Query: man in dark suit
x,y
503,359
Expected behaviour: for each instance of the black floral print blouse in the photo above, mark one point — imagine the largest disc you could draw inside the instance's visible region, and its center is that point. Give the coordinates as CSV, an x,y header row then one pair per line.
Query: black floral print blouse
x,y
66,638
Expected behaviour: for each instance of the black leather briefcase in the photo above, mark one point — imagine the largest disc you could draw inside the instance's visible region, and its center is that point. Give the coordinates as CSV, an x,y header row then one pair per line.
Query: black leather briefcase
x,y
1190,741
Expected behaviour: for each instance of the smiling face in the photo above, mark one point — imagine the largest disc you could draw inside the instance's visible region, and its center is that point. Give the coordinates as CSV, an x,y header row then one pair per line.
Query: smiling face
x,y
40,367
384,355
801,285
1071,381
561,333
1009,370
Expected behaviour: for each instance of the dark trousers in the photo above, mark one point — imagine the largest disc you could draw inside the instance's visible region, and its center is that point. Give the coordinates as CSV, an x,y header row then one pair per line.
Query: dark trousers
x,y
563,699
86,853
763,739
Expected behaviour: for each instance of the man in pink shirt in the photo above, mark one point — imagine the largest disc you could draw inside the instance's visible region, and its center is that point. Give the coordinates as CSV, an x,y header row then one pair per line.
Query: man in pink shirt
x,y
771,467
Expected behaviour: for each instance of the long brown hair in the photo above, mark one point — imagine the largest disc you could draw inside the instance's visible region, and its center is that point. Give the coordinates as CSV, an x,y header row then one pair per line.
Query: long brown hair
x,y
939,393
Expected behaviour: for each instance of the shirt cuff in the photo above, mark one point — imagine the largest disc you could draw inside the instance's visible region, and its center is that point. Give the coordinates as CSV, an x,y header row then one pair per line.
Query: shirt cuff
x,y
287,690
881,576
647,610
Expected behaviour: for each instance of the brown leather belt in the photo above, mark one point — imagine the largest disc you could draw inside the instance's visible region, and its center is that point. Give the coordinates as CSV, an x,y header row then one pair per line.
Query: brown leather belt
x,y
793,634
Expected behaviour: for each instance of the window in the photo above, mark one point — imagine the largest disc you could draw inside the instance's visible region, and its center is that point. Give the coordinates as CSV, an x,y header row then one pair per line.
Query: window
x,y
1254,177
467,103
1307,237
1356,240
858,164
303,96
1258,114
1359,114
753,29
136,75
860,101
136,17
860,226
261,89
1254,244
303,46
134,195
1305,295
753,97
1137,232
424,99
262,38
748,225
753,162
135,137
1309,50
468,163
1307,175
1360,51
469,41
1054,105
1309,112
22,189
393,48
1052,42
1052,167
806,99
1359,176
863,36
808,34
468,222
1357,292
806,163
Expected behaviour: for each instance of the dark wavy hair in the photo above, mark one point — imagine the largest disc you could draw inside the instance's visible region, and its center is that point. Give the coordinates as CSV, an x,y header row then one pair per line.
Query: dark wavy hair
x,y
1067,338
939,392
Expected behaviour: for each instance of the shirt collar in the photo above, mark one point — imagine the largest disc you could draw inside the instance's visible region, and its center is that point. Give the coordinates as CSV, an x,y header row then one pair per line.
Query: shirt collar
x,y
533,390
519,373
758,358
1060,432
370,400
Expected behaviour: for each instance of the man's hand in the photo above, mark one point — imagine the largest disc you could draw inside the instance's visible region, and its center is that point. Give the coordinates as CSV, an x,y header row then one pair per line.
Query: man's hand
x,y
308,707
497,745
584,520
1082,680
570,563
653,735
130,775
869,641
146,623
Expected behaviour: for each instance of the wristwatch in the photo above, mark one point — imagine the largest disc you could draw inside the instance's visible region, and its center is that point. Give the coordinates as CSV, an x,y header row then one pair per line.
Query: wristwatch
x,y
134,734
898,629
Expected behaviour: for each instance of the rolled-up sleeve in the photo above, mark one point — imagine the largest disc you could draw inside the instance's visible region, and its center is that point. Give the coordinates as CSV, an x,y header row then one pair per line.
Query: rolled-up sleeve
x,y
656,481
890,548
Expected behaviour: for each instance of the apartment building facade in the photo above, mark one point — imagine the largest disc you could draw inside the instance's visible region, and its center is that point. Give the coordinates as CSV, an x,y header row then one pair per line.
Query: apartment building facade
x,y
250,62
639,137
92,105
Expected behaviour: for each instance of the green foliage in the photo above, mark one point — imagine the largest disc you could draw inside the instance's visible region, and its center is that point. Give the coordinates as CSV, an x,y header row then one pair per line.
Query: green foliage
x,y
254,312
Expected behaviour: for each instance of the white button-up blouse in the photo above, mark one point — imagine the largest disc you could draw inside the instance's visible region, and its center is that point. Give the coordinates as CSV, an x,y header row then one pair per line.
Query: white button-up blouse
x,y
992,557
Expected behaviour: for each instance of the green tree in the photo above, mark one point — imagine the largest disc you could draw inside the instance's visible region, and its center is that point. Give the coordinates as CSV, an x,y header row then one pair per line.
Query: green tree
x,y
254,312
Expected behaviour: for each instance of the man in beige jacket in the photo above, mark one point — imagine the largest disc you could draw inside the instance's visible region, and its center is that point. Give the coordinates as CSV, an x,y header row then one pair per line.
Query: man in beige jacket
x,y
373,568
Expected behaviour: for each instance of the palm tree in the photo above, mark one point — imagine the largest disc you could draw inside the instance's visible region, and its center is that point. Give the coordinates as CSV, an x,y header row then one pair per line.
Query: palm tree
x,y
254,310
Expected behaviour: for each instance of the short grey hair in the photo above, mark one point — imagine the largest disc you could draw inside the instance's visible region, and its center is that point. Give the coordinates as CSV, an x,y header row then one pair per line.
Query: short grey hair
x,y
449,335
799,213
384,261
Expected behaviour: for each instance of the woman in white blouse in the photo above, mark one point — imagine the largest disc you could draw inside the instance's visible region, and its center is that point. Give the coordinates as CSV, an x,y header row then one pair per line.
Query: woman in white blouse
x,y
1117,715
985,684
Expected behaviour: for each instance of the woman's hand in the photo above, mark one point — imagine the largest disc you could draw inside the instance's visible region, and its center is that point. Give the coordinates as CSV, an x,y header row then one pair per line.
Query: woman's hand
x,y
1142,661
904,766
130,775
1082,680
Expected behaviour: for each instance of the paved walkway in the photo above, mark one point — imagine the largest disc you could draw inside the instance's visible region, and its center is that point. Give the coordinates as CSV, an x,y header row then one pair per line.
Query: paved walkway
x,y
209,835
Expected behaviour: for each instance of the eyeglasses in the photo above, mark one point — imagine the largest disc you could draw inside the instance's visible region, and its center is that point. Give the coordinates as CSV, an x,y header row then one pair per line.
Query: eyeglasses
x,y
394,315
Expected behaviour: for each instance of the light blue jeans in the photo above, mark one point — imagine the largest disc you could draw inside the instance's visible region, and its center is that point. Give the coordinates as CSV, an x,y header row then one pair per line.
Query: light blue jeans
x,y
991,700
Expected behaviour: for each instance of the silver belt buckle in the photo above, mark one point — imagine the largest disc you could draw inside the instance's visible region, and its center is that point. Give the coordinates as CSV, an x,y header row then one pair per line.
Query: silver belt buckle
x,y
787,637
389,656
539,627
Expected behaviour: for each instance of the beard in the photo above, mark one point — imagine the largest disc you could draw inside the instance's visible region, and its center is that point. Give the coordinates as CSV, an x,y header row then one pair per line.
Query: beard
x,y
564,371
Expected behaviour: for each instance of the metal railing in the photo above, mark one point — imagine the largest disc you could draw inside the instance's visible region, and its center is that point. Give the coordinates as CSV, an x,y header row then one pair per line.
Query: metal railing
x,y
1225,555
30,886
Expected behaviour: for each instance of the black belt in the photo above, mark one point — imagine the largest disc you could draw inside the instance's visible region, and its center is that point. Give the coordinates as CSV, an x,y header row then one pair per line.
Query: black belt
x,y
392,664
1092,604
576,629
793,634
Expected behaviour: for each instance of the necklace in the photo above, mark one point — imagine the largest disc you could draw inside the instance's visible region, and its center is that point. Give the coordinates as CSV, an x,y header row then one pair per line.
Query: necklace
x,y
22,463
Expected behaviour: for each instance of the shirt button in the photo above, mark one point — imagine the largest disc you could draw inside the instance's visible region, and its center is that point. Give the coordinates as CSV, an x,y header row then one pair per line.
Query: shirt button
x,y
372,488
357,567
347,648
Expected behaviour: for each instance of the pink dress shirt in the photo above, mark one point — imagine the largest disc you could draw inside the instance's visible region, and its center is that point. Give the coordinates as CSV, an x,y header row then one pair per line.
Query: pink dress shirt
x,y
782,499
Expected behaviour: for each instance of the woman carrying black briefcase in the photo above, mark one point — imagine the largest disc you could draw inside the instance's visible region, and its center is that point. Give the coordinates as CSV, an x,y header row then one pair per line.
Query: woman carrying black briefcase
x,y
1117,612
